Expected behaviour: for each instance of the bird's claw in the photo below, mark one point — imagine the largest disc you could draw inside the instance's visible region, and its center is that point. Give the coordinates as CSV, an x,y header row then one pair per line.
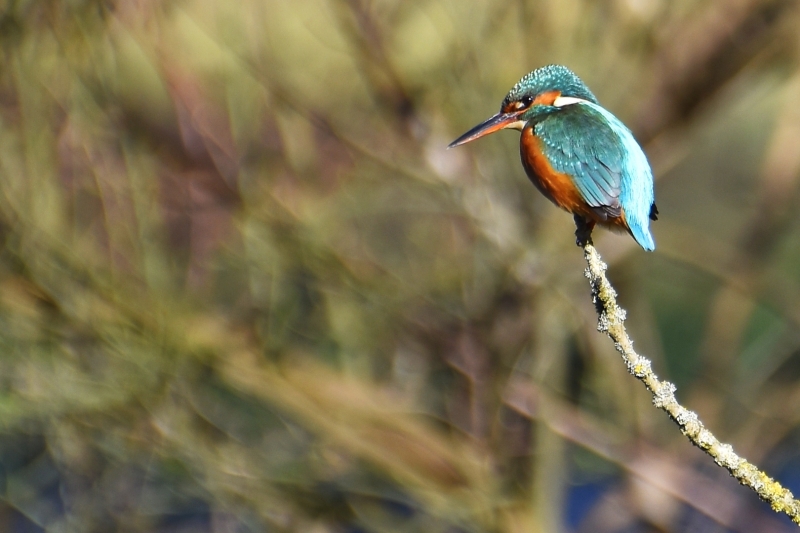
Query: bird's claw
x,y
583,231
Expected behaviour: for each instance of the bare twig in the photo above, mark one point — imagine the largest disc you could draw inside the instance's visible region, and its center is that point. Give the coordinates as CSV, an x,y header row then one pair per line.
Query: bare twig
x,y
612,322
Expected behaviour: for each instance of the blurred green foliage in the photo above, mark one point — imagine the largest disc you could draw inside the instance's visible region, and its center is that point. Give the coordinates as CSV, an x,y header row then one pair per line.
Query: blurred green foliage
x,y
244,287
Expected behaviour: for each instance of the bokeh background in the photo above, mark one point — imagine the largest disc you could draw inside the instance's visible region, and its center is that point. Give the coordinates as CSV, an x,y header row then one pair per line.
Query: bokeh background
x,y
244,287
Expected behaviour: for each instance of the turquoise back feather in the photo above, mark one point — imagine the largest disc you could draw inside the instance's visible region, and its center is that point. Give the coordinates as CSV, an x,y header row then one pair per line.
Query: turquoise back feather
x,y
608,166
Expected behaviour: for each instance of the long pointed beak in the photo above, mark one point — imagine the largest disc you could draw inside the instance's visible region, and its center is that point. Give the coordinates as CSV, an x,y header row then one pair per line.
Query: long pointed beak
x,y
490,125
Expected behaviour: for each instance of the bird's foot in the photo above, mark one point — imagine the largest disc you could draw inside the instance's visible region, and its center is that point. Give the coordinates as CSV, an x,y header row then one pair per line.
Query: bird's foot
x,y
583,231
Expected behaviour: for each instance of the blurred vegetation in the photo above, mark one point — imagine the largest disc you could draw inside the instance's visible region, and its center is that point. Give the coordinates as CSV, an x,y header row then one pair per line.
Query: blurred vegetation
x,y
244,287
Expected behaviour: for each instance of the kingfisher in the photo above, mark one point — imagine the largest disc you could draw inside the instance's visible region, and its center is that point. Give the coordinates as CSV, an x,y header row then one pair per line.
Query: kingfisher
x,y
579,155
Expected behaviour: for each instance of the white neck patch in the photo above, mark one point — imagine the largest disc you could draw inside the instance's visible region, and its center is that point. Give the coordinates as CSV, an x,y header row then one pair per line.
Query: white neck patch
x,y
562,101
518,125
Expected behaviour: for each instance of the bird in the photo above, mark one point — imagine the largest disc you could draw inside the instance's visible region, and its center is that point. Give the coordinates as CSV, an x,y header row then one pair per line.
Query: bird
x,y
579,155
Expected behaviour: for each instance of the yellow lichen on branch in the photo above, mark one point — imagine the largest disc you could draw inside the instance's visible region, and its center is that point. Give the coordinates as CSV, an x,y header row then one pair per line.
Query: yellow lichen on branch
x,y
611,321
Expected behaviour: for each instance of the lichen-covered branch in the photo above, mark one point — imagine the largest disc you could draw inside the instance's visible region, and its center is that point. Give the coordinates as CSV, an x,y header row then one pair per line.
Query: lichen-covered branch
x,y
612,322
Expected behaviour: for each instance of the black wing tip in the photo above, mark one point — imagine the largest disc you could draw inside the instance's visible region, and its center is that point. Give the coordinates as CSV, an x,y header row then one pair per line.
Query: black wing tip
x,y
653,212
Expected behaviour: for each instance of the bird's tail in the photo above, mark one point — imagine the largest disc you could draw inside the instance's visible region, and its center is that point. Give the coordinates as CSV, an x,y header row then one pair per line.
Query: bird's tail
x,y
641,233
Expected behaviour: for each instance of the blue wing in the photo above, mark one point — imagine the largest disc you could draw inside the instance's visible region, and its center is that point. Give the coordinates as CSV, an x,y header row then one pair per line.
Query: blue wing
x,y
606,163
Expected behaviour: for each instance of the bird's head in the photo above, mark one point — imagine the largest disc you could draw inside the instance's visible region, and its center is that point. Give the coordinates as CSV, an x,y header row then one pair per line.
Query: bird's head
x,y
542,91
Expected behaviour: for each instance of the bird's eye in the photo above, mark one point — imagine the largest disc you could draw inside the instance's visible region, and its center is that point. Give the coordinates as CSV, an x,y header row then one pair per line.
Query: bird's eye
x,y
518,105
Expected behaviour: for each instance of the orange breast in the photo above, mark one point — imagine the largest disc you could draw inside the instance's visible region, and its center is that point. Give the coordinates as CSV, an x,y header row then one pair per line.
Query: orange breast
x,y
556,186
